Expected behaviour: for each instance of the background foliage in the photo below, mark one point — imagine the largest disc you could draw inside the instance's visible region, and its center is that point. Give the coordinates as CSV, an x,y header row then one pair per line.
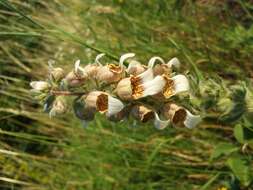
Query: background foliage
x,y
214,41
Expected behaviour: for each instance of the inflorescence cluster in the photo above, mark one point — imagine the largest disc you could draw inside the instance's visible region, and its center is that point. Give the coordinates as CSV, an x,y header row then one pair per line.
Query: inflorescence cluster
x,y
140,91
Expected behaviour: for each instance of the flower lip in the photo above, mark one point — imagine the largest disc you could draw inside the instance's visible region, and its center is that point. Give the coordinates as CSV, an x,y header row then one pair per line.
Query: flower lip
x,y
124,57
174,62
114,106
152,61
191,121
160,124
98,57
181,83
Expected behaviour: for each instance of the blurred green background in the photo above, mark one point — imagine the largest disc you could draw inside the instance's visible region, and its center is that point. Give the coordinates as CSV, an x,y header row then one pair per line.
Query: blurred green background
x,y
212,38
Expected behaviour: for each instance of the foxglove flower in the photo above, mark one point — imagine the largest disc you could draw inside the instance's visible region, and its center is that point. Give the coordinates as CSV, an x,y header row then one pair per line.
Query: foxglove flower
x,y
180,116
111,73
166,86
76,77
130,88
162,67
142,113
104,103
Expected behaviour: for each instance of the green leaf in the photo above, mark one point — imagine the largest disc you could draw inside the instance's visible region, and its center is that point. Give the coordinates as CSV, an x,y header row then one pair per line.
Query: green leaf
x,y
238,133
241,169
223,149
243,134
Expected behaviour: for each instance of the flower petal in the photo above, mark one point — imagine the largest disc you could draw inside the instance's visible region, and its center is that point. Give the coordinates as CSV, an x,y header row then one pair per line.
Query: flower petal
x,y
152,61
114,106
125,57
132,64
77,66
181,83
154,86
191,120
174,62
160,124
98,57
146,76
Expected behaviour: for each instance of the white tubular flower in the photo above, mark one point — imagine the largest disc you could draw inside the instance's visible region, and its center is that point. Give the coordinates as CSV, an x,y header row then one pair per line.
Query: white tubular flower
x,y
142,113
40,85
104,103
109,73
160,124
131,87
77,76
174,62
191,120
166,86
179,116
154,86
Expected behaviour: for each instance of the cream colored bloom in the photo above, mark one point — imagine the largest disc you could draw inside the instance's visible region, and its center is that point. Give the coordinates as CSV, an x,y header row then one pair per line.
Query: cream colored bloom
x,y
40,85
104,103
179,116
166,86
142,113
131,87
77,76
110,73
161,67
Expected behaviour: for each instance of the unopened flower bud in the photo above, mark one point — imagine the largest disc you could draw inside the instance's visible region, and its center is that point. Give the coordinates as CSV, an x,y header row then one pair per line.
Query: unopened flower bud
x,y
124,89
57,73
59,106
142,113
40,85
163,68
76,77
135,68
110,73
